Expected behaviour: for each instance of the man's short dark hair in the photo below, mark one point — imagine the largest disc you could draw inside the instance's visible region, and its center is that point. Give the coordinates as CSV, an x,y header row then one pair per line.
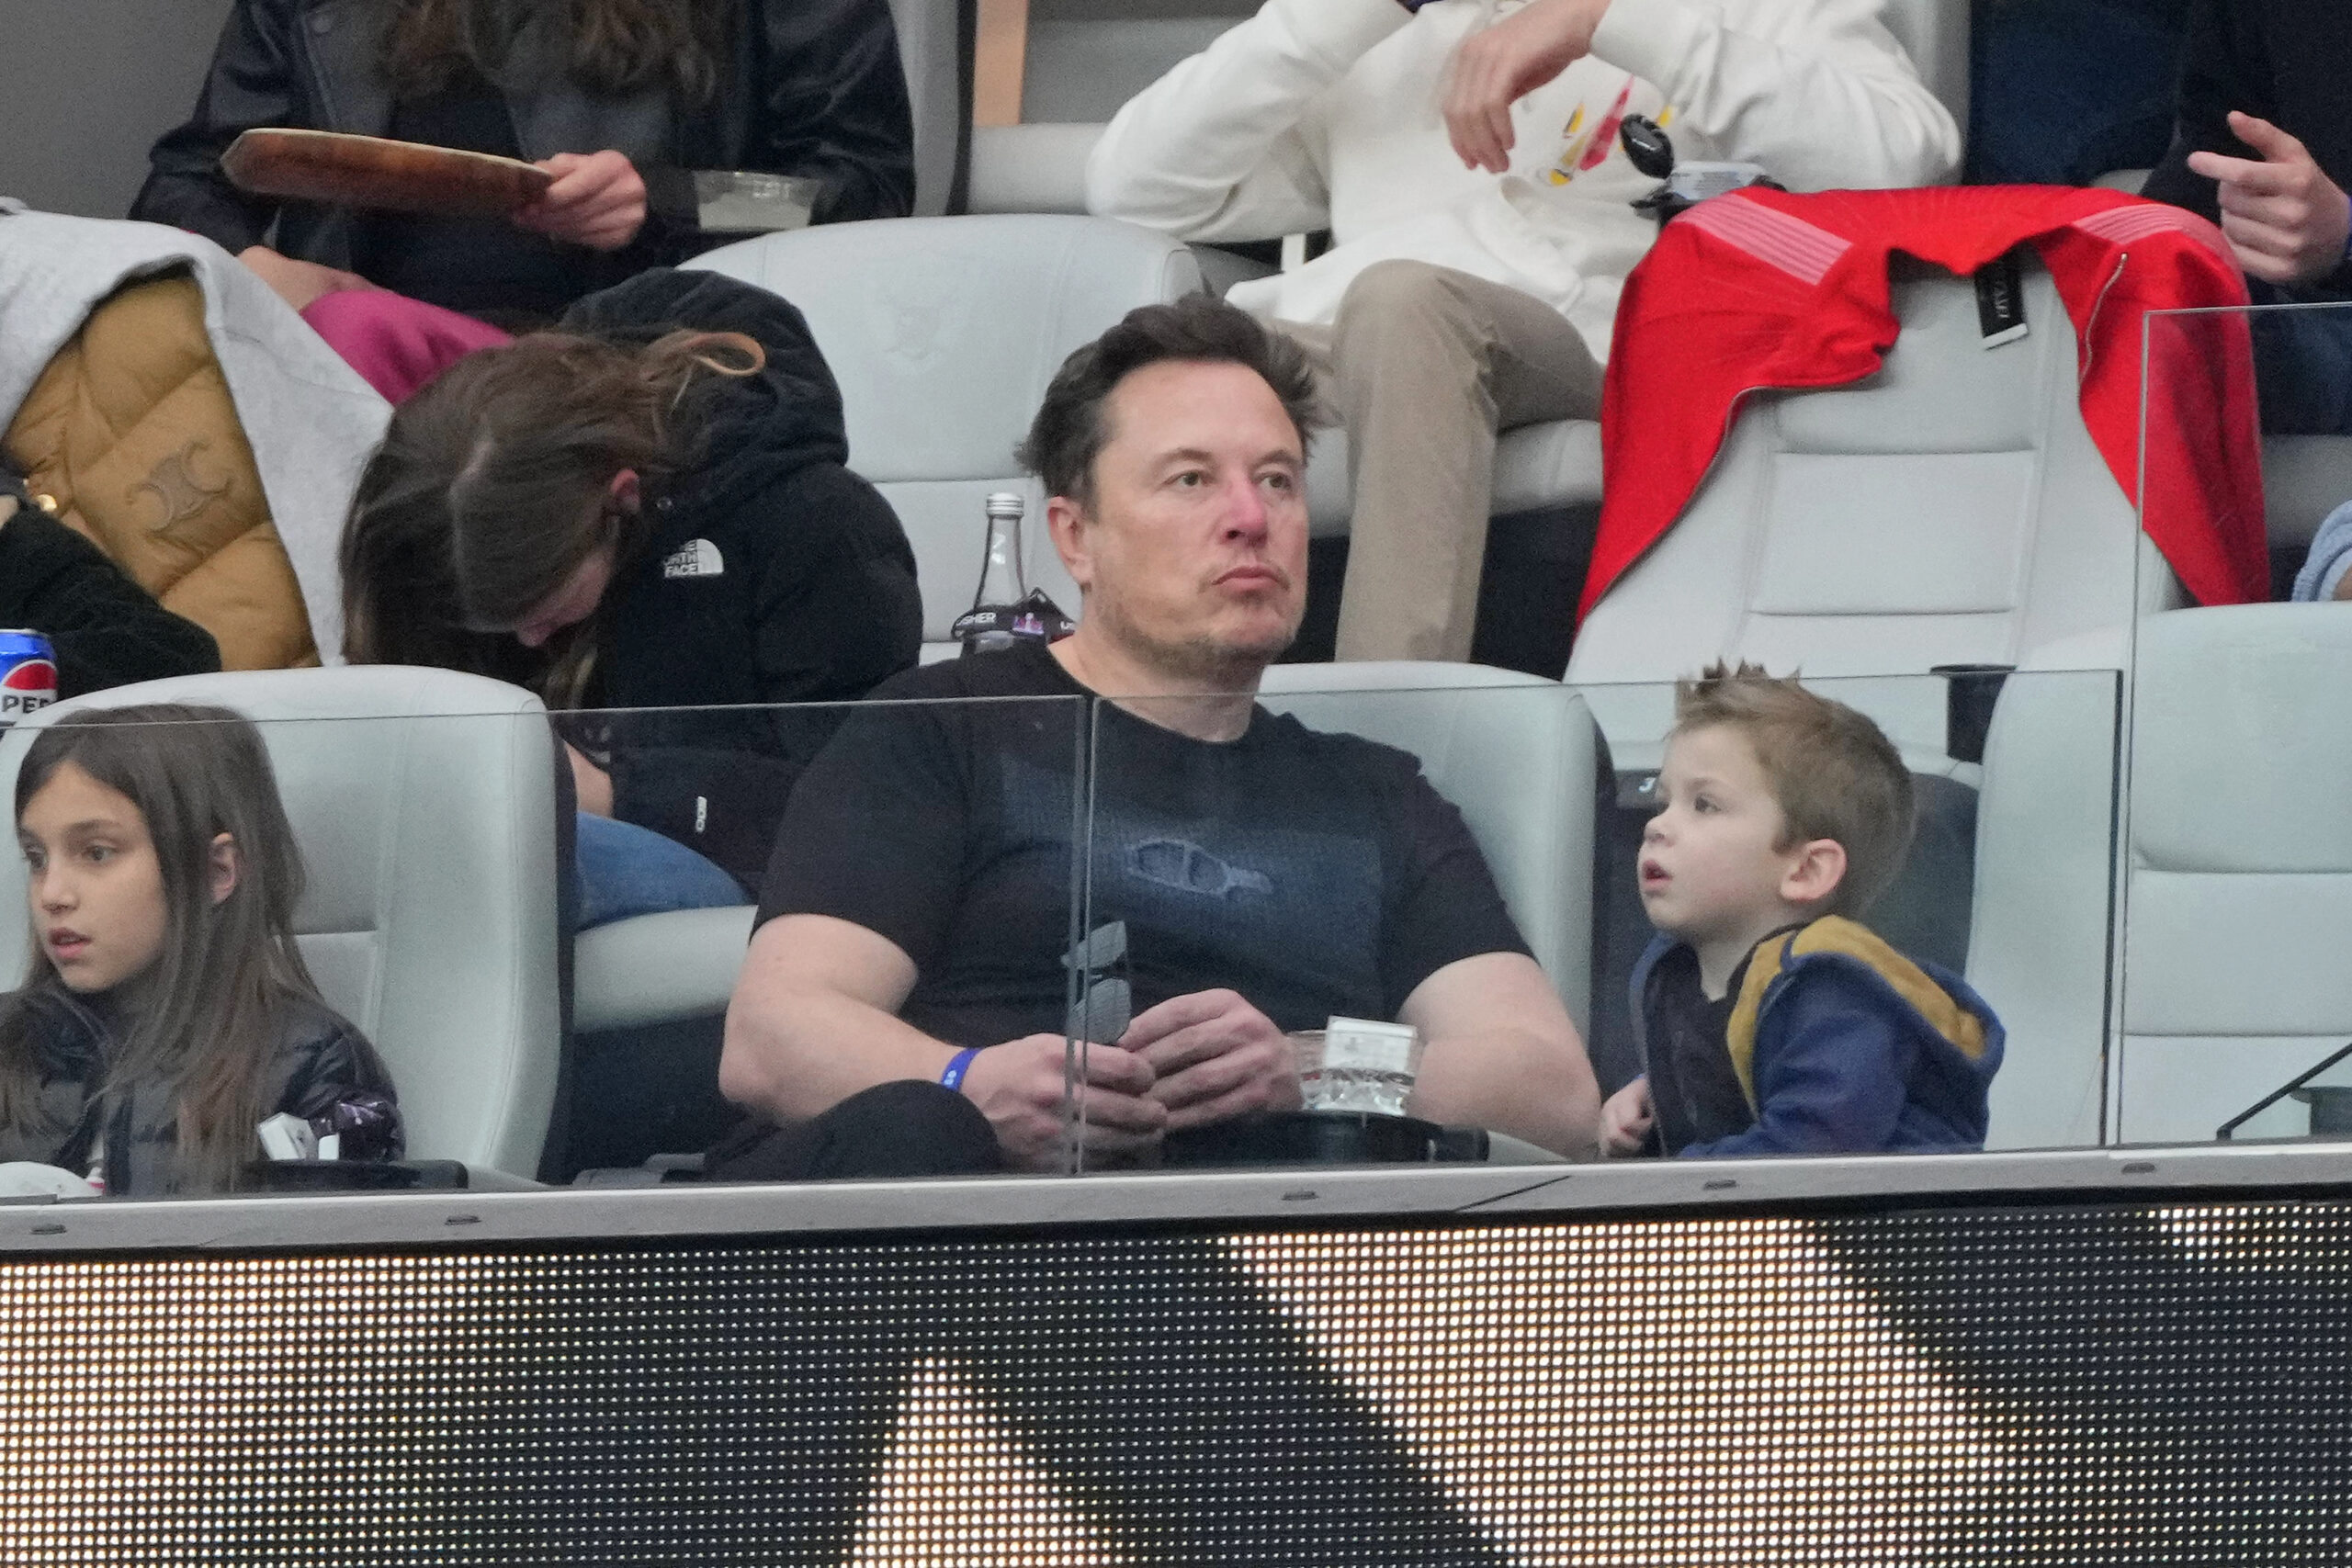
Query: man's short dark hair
x,y
1070,431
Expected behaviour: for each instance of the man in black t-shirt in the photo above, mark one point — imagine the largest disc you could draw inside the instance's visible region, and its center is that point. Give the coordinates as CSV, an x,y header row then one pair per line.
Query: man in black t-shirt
x,y
917,916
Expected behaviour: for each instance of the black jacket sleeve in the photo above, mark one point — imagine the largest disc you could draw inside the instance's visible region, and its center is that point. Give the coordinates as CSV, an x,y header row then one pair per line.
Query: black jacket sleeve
x,y
252,81
827,101
835,105
2223,66
106,630
335,1075
2228,65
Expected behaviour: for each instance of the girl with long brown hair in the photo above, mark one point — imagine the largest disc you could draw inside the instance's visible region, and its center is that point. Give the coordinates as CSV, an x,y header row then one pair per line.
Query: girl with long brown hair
x,y
642,109
648,510
167,1012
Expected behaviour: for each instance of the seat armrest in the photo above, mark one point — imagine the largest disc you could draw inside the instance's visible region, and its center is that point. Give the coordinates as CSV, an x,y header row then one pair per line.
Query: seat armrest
x,y
658,968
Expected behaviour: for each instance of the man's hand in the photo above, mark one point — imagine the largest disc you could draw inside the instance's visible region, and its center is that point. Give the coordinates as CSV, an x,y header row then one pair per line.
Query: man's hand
x,y
597,200
1018,1086
1214,1057
1497,67
2286,220
592,786
1625,1119
299,283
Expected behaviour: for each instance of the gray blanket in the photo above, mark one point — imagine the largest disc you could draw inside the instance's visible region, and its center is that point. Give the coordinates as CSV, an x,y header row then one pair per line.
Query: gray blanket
x,y
309,418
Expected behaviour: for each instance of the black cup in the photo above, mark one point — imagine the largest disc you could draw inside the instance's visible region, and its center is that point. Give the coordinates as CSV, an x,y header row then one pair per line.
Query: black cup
x,y
2331,1110
1970,691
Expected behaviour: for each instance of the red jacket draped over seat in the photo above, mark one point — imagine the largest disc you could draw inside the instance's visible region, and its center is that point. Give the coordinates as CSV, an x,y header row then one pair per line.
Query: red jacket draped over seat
x,y
1764,288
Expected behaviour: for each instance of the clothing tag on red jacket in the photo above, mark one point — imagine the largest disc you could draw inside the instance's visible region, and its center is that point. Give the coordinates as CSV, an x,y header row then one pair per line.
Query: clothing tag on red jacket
x,y
2000,301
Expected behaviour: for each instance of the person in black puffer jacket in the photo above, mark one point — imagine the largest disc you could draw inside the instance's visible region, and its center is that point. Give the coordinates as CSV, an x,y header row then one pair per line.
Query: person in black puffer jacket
x,y
168,1013
647,509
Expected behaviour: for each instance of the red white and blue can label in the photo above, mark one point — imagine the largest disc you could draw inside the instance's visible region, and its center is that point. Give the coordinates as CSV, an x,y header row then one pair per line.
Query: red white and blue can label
x,y
28,674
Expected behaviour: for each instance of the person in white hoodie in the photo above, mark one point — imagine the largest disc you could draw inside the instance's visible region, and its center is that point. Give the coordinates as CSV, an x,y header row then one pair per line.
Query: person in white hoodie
x,y
1463,155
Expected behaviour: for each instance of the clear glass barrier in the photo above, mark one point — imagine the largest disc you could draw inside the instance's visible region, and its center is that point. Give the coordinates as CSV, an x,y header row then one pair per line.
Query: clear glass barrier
x,y
1041,873
449,896
1324,881
2237,894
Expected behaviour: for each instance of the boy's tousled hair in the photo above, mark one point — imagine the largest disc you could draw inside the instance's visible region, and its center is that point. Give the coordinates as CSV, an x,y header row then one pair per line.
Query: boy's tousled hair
x,y
208,1013
1070,429
1834,773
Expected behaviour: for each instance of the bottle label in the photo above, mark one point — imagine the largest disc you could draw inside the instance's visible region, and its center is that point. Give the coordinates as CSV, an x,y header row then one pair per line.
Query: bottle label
x,y
1036,618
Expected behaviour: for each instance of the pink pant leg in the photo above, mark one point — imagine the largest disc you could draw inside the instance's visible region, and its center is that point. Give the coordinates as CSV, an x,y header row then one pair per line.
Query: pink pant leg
x,y
395,343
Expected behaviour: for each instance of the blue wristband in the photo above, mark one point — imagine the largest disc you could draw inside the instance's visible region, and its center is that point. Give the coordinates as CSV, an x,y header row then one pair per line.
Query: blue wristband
x,y
953,1076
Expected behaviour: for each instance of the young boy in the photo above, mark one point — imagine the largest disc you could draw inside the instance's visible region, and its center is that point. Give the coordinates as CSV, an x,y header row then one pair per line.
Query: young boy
x,y
1768,1022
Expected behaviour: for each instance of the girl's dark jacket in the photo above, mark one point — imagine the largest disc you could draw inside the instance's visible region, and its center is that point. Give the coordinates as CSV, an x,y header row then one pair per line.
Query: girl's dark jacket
x,y
809,88
321,1062
772,575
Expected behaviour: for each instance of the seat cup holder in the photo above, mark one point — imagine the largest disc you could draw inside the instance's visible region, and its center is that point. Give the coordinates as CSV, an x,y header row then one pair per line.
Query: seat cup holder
x,y
1970,691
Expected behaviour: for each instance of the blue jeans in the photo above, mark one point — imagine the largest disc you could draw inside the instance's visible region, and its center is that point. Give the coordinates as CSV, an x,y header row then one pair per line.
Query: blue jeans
x,y
626,870
2302,364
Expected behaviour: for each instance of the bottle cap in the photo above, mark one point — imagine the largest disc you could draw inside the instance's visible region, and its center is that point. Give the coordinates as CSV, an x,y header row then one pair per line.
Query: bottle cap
x,y
1004,504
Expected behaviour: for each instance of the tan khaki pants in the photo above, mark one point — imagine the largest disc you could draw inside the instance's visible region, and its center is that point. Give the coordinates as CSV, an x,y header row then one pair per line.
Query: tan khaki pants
x,y
1424,364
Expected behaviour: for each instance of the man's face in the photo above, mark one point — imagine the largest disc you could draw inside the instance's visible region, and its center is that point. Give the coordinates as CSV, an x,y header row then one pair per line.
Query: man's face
x,y
1193,552
1714,863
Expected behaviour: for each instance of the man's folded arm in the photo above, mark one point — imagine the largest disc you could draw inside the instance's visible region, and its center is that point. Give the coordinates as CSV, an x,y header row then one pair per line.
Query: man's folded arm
x,y
814,1018
1502,1054
1812,93
1212,151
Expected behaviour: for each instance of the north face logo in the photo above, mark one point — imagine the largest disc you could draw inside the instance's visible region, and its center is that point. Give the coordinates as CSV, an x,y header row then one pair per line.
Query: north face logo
x,y
695,558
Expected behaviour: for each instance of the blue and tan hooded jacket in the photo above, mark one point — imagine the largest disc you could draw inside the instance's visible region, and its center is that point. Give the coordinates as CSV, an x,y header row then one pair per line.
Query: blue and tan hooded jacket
x,y
1843,1045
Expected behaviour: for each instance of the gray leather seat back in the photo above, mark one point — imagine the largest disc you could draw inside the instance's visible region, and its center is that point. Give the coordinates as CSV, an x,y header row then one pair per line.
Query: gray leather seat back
x,y
2239,892
944,333
1950,509
1514,753
424,804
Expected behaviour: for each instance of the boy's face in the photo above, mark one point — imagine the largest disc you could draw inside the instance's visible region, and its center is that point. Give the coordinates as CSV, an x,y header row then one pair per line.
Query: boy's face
x,y
1713,870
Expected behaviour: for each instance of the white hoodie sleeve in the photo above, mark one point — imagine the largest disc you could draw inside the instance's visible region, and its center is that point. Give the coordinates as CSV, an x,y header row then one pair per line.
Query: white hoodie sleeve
x,y
1816,91
1215,150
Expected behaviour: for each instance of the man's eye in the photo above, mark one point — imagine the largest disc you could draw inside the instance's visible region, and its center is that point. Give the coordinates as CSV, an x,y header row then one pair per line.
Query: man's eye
x,y
1191,478
1281,481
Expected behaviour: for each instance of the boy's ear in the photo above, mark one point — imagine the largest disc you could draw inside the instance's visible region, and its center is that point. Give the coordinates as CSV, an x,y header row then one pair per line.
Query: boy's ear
x,y
1814,870
223,857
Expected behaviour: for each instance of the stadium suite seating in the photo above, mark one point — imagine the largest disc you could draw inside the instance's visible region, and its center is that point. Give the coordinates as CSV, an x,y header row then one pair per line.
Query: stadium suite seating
x,y
944,330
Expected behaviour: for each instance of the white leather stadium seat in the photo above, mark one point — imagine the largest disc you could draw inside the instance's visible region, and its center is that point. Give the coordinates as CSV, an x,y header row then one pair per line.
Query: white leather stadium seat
x,y
2040,931
1515,754
2237,886
2239,893
1950,509
424,804
944,333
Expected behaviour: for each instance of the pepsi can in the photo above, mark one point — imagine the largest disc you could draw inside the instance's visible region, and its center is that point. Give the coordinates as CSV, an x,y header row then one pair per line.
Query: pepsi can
x,y
28,674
